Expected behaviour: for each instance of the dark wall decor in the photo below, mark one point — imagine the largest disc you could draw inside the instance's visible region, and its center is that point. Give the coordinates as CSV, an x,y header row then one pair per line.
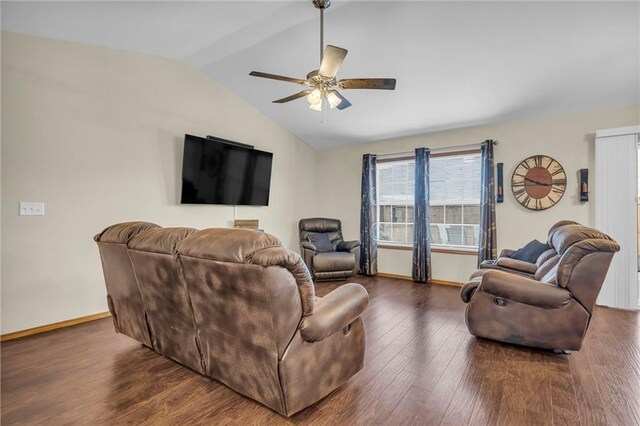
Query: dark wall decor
x,y
584,184
500,197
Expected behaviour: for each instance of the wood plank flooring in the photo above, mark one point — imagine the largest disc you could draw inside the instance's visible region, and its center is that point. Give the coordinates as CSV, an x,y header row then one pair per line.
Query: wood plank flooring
x,y
422,367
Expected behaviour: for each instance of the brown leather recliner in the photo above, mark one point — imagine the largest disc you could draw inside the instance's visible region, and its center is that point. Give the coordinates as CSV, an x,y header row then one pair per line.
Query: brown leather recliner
x,y
236,306
340,263
552,311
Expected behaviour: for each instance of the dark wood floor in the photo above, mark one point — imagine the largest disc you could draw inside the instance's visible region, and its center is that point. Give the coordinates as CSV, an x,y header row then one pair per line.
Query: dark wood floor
x,y
422,367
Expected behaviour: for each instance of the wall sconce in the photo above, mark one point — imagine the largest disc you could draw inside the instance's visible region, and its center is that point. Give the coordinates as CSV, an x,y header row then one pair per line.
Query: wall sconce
x,y
500,196
584,185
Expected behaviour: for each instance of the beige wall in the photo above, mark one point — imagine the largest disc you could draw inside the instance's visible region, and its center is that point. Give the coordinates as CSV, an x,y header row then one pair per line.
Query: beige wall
x,y
567,138
96,134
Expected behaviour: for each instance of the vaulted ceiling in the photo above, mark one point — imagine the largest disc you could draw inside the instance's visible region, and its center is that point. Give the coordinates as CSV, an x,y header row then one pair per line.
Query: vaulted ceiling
x,y
457,63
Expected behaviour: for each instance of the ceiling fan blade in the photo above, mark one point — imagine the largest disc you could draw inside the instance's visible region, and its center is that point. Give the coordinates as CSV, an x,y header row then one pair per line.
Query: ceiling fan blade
x,y
368,83
331,60
292,97
345,102
277,77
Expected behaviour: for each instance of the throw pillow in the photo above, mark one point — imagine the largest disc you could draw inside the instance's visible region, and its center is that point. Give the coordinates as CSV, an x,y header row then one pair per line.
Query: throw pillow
x,y
530,252
321,241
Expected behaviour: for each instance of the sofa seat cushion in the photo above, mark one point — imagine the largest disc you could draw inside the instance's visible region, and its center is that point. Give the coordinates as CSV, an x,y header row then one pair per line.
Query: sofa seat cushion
x,y
334,261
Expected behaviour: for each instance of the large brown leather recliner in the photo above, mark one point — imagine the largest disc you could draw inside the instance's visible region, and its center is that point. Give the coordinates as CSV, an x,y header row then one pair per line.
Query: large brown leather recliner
x,y
341,263
236,306
552,311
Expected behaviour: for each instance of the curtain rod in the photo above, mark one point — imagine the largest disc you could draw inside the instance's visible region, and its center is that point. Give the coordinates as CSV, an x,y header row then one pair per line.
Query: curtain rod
x,y
448,148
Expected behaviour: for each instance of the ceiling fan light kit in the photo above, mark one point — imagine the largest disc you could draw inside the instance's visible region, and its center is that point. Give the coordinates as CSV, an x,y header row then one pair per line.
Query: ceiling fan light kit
x,y
315,99
333,98
323,81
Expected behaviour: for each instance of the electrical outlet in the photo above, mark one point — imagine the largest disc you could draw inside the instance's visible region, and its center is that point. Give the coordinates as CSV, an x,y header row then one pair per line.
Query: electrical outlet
x,y
31,209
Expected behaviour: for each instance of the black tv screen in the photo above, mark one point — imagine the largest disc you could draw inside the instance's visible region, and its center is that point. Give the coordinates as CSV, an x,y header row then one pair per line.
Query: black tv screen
x,y
219,172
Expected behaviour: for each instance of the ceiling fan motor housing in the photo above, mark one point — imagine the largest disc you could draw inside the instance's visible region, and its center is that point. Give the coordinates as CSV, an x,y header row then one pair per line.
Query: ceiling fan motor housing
x,y
322,4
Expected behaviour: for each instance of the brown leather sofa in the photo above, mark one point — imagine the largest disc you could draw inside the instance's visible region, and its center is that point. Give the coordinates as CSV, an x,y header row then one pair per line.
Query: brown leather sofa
x,y
341,263
236,306
548,309
545,262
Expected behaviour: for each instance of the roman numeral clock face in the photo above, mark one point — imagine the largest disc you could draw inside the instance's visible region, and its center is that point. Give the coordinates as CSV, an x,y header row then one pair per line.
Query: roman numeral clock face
x,y
538,182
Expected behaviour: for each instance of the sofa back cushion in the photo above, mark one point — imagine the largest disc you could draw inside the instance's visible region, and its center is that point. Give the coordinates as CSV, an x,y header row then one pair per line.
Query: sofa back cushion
x,y
585,256
248,295
587,276
545,256
565,236
165,296
547,266
123,295
557,225
577,253
575,245
227,245
121,233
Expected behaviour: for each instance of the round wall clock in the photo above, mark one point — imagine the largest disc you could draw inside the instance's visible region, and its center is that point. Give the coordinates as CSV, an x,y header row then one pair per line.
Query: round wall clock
x,y
538,182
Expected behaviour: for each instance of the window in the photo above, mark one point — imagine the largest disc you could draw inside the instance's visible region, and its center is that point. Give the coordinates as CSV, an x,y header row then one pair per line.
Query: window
x,y
395,181
454,181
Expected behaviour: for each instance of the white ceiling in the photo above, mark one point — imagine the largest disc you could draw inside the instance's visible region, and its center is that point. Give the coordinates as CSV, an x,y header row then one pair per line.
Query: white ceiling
x,y
457,63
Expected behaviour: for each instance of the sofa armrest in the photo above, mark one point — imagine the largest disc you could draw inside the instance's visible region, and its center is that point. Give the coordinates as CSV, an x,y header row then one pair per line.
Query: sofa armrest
x,y
348,245
468,290
309,246
506,252
334,312
516,265
524,290
488,264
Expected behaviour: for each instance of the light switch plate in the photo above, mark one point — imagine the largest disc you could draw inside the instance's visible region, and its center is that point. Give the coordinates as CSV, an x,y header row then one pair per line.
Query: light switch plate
x,y
31,209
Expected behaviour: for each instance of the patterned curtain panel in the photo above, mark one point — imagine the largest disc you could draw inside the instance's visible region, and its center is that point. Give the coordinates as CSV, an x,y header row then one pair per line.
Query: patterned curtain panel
x,y
368,226
421,230
487,247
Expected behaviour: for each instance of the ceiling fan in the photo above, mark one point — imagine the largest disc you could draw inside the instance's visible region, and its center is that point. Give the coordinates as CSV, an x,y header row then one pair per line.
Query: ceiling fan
x,y
322,82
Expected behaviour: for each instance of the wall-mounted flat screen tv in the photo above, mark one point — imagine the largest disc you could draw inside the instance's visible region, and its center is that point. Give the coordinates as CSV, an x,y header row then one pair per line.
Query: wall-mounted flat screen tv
x,y
215,171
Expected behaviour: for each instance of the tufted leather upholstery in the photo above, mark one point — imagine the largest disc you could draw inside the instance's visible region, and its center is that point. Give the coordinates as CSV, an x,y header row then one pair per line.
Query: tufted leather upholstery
x,y
551,308
234,305
341,263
